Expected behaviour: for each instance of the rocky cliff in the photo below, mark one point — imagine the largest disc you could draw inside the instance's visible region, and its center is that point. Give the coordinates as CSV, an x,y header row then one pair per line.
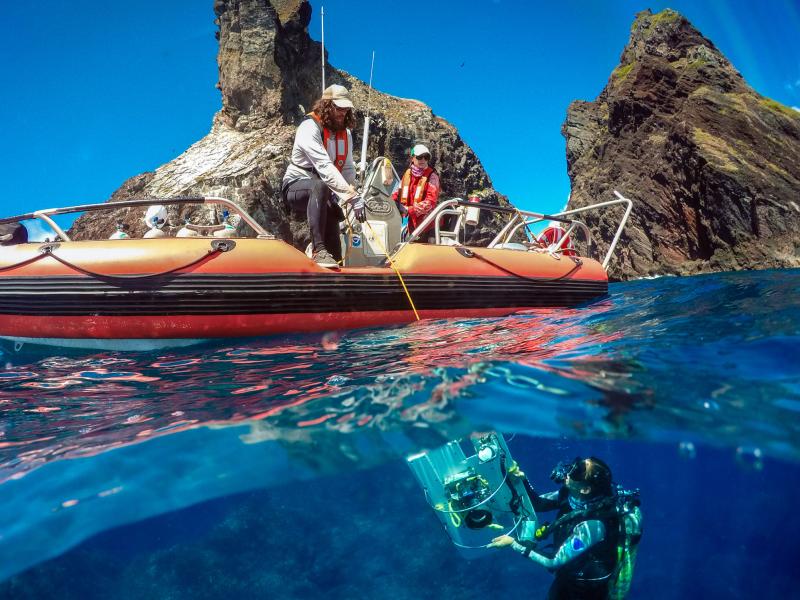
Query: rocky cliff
x,y
713,167
269,75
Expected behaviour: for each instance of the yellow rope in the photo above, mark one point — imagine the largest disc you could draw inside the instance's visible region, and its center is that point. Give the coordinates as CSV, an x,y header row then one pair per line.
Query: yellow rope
x,y
455,518
399,276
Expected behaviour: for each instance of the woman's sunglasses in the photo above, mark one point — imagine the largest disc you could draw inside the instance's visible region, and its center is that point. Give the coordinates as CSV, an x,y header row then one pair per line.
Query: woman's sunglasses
x,y
423,157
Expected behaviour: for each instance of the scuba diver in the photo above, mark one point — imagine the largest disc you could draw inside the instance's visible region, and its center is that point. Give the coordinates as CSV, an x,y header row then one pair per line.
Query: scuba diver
x,y
594,536
322,164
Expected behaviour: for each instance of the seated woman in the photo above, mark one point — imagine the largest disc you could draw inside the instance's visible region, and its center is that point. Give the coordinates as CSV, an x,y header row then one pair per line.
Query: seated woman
x,y
419,191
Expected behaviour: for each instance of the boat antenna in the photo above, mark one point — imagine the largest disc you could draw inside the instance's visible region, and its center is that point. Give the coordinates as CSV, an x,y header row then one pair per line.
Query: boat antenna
x,y
322,21
363,164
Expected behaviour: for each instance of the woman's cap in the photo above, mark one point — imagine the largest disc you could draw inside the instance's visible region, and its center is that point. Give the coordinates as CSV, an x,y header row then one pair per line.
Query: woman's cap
x,y
419,150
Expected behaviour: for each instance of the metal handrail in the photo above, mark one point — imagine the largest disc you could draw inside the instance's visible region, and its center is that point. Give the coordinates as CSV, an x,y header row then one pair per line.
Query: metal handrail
x,y
620,200
46,213
519,220
575,223
434,214
438,230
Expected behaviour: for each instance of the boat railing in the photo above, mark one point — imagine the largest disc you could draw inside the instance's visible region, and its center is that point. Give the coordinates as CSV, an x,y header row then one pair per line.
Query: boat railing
x,y
46,215
519,219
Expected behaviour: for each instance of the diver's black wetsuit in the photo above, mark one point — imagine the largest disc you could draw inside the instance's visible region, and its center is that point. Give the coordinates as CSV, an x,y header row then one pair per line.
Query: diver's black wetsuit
x,y
588,575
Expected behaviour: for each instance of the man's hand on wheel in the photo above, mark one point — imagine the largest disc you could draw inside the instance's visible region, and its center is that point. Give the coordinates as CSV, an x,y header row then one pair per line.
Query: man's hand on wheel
x,y
359,209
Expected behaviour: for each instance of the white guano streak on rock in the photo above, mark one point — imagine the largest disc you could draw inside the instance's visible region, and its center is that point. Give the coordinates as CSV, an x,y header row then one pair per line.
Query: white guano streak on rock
x,y
223,153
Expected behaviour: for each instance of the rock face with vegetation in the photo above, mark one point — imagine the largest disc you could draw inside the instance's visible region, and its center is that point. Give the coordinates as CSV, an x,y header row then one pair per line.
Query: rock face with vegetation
x,y
269,76
712,166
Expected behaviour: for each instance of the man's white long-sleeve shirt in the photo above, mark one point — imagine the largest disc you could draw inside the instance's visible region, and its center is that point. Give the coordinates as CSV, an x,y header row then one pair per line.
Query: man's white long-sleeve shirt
x,y
310,153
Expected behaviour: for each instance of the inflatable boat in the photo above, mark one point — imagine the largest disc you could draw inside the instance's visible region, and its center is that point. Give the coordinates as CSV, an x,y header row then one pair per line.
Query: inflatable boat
x,y
233,279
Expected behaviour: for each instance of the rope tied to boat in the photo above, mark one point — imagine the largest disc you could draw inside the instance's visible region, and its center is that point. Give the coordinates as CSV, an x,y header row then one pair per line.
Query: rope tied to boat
x,y
468,253
395,269
23,263
217,247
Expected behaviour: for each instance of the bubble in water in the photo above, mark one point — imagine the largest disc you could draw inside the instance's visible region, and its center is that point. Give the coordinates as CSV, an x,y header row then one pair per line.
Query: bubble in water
x,y
687,450
750,457
337,380
330,341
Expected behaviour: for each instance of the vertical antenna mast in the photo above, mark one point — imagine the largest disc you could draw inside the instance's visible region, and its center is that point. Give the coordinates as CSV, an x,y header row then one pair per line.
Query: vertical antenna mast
x,y
369,91
363,164
322,18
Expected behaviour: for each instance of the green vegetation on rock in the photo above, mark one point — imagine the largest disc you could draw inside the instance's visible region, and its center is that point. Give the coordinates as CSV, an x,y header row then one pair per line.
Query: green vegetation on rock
x,y
779,108
662,18
717,150
665,16
697,63
620,73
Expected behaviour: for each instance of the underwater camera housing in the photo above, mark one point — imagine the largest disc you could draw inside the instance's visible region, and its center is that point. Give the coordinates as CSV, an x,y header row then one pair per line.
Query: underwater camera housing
x,y
467,484
561,470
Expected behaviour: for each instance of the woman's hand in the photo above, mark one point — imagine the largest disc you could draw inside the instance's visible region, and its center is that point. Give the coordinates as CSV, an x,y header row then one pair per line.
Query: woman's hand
x,y
501,541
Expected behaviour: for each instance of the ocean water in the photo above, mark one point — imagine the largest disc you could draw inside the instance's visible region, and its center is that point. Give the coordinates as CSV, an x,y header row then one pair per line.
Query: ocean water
x,y
277,467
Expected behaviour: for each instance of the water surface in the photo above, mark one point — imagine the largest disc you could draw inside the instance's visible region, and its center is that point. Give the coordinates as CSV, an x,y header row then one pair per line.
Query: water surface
x,y
280,461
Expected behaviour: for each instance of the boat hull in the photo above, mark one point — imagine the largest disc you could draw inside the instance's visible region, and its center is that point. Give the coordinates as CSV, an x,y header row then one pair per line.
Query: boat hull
x,y
83,293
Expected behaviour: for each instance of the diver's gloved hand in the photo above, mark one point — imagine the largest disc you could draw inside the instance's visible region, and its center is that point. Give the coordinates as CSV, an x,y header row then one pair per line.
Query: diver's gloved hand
x,y
501,541
359,209
561,470
515,471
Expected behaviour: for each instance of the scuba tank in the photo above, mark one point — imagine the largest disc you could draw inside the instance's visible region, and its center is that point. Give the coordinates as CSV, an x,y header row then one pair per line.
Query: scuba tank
x,y
120,233
186,231
155,218
630,525
229,230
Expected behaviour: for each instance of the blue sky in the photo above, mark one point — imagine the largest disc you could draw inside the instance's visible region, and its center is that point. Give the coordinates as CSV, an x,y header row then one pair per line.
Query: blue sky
x,y
96,92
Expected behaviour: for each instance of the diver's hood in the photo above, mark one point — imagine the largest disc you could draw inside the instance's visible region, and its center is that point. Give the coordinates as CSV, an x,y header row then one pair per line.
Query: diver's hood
x,y
578,503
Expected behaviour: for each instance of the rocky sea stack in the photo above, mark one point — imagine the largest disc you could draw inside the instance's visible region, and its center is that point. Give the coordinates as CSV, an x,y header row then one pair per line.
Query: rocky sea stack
x,y
269,75
713,167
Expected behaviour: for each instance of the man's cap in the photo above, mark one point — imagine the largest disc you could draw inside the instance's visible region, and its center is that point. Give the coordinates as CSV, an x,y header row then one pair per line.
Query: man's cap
x,y
420,149
339,94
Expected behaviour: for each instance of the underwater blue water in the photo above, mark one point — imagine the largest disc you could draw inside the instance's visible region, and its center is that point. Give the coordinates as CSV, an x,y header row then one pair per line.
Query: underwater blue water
x,y
276,467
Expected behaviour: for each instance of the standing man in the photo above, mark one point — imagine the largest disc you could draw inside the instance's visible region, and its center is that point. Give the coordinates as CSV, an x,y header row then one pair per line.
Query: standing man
x,y
322,165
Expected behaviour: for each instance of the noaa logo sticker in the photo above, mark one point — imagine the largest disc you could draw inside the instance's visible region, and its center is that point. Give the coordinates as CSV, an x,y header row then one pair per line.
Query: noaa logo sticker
x,y
356,243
